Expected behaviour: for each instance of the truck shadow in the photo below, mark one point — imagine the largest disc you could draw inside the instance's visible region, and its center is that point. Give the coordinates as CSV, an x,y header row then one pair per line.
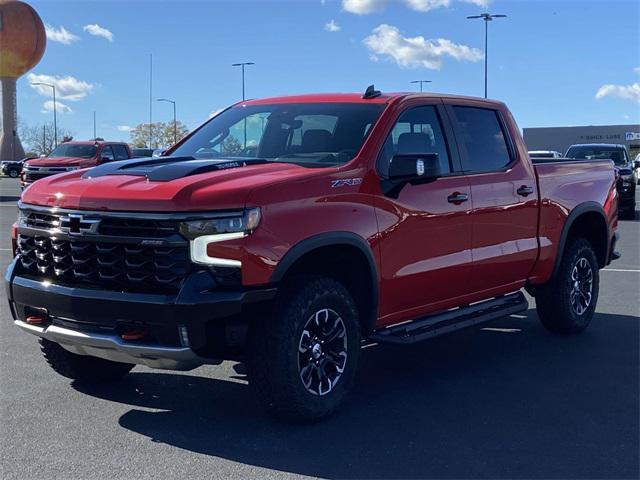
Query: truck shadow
x,y
504,401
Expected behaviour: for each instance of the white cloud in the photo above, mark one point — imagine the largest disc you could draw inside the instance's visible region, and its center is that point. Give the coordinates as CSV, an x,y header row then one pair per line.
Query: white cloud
x,y
60,107
625,92
426,5
124,128
60,35
414,52
98,31
364,7
480,3
67,88
637,69
332,26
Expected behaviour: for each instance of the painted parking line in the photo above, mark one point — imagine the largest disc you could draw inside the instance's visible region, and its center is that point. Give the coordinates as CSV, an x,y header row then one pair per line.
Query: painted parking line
x,y
620,270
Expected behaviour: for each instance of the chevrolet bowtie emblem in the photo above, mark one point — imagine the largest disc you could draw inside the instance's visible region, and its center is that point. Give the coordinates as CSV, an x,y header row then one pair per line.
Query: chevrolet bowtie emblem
x,y
75,224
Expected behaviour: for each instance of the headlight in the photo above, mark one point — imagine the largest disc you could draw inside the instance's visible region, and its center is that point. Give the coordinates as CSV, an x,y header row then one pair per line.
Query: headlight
x,y
203,232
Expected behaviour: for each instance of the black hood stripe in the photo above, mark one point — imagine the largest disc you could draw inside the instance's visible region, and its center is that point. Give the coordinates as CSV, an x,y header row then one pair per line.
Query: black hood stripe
x,y
165,169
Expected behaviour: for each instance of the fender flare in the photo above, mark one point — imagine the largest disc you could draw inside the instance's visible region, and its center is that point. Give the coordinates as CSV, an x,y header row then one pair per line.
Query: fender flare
x,y
586,207
330,239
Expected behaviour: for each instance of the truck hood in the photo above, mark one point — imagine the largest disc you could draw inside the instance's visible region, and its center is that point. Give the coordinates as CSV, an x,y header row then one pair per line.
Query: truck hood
x,y
163,184
61,162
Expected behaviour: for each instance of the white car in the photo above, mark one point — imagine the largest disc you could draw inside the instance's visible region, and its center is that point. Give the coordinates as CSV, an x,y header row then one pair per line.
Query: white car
x,y
544,154
636,168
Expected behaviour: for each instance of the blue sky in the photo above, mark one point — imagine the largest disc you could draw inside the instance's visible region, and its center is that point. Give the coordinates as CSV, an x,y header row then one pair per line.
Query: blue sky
x,y
548,60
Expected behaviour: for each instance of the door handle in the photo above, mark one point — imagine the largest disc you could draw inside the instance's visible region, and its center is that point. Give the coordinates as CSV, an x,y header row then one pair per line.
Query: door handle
x,y
524,191
457,198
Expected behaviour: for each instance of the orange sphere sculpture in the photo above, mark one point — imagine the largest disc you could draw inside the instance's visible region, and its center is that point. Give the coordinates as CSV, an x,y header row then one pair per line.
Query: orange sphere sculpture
x,y
22,44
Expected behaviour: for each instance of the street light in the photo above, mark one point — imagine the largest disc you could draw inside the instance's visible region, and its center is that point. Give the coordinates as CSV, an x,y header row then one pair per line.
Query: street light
x,y
487,17
420,82
175,132
55,120
243,64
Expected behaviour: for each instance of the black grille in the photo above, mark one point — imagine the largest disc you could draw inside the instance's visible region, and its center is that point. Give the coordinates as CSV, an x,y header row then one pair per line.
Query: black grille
x,y
138,227
118,266
33,176
41,220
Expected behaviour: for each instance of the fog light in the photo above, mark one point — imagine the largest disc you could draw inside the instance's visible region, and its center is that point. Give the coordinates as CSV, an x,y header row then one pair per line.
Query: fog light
x,y
184,335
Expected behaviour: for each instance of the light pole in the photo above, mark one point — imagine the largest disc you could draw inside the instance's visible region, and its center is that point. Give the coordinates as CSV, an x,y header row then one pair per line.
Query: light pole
x,y
420,82
175,132
55,120
243,64
94,125
487,17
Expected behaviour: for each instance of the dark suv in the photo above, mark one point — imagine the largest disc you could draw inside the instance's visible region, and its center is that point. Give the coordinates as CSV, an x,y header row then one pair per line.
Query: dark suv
x,y
624,166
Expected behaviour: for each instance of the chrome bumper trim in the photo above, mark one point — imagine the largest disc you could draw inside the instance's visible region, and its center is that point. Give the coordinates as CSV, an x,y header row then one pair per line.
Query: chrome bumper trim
x,y
113,348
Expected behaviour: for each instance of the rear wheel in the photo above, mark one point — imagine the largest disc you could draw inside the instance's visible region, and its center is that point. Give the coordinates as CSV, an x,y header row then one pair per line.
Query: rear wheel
x,y
13,173
82,368
567,303
302,362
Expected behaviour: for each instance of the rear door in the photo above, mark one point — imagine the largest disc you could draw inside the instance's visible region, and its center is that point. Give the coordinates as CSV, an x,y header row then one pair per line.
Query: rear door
x,y
504,191
425,233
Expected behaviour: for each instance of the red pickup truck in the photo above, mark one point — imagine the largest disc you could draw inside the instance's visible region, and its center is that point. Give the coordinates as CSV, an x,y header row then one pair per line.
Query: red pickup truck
x,y
70,156
286,231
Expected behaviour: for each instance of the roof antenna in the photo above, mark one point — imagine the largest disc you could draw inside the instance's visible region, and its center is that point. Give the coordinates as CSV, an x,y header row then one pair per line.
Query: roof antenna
x,y
371,92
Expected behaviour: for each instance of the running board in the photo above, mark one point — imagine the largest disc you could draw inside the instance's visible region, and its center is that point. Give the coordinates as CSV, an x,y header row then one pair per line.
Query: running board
x,y
452,320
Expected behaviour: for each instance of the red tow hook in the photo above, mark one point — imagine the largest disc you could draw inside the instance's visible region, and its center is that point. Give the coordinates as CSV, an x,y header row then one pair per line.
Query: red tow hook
x,y
35,320
134,334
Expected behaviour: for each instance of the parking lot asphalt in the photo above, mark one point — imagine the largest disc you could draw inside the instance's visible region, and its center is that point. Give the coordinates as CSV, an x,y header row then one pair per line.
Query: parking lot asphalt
x,y
505,400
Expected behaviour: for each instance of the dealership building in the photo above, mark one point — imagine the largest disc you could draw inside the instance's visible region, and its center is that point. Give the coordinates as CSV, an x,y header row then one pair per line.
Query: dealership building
x,y
561,138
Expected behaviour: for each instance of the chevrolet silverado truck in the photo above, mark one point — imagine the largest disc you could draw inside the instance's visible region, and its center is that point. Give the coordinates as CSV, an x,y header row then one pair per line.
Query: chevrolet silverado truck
x,y
285,232
71,156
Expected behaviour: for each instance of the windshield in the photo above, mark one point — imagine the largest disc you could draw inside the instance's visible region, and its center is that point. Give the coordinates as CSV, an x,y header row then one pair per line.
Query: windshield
x,y
312,134
76,151
597,153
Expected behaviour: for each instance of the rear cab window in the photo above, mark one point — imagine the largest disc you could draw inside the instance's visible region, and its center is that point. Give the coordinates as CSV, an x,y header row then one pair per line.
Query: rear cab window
x,y
120,151
482,139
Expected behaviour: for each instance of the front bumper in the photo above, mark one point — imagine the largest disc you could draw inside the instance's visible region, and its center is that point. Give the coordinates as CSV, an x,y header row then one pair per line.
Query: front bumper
x,y
89,321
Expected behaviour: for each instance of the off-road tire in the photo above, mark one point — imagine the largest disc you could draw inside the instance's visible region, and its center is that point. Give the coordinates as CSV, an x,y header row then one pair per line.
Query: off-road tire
x,y
82,368
273,364
554,300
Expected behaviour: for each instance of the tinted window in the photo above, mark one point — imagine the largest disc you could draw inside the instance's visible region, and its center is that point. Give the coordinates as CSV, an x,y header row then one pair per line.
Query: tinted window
x,y
304,133
74,150
418,131
106,155
120,152
480,136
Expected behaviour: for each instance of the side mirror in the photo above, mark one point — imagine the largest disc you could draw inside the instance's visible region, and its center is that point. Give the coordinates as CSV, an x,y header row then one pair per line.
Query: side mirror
x,y
636,164
411,168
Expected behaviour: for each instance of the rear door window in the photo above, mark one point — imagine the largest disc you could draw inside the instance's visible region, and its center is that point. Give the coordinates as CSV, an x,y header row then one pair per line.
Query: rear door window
x,y
107,154
481,138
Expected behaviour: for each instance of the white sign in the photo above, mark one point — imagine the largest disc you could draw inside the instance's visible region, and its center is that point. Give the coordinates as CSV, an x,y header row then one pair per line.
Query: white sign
x,y
630,136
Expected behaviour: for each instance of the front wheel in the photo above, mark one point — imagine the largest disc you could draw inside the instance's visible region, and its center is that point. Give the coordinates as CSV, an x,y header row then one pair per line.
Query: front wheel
x,y
302,362
567,303
13,173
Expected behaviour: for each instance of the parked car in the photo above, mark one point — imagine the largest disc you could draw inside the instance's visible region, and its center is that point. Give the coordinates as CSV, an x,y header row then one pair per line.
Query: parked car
x,y
353,221
142,152
636,168
158,152
71,156
13,169
544,154
627,176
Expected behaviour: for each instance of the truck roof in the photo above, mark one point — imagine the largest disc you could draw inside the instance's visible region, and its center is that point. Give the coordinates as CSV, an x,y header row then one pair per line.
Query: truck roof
x,y
385,97
604,145
91,142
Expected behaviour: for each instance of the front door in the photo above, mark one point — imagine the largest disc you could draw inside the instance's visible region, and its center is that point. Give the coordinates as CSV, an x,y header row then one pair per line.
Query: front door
x,y
425,233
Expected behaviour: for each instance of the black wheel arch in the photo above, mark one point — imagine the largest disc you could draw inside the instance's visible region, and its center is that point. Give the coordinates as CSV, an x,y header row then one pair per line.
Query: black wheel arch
x,y
579,214
336,239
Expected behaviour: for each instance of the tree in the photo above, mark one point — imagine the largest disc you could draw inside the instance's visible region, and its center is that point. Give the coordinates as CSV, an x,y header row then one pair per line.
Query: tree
x,y
231,146
162,133
39,139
